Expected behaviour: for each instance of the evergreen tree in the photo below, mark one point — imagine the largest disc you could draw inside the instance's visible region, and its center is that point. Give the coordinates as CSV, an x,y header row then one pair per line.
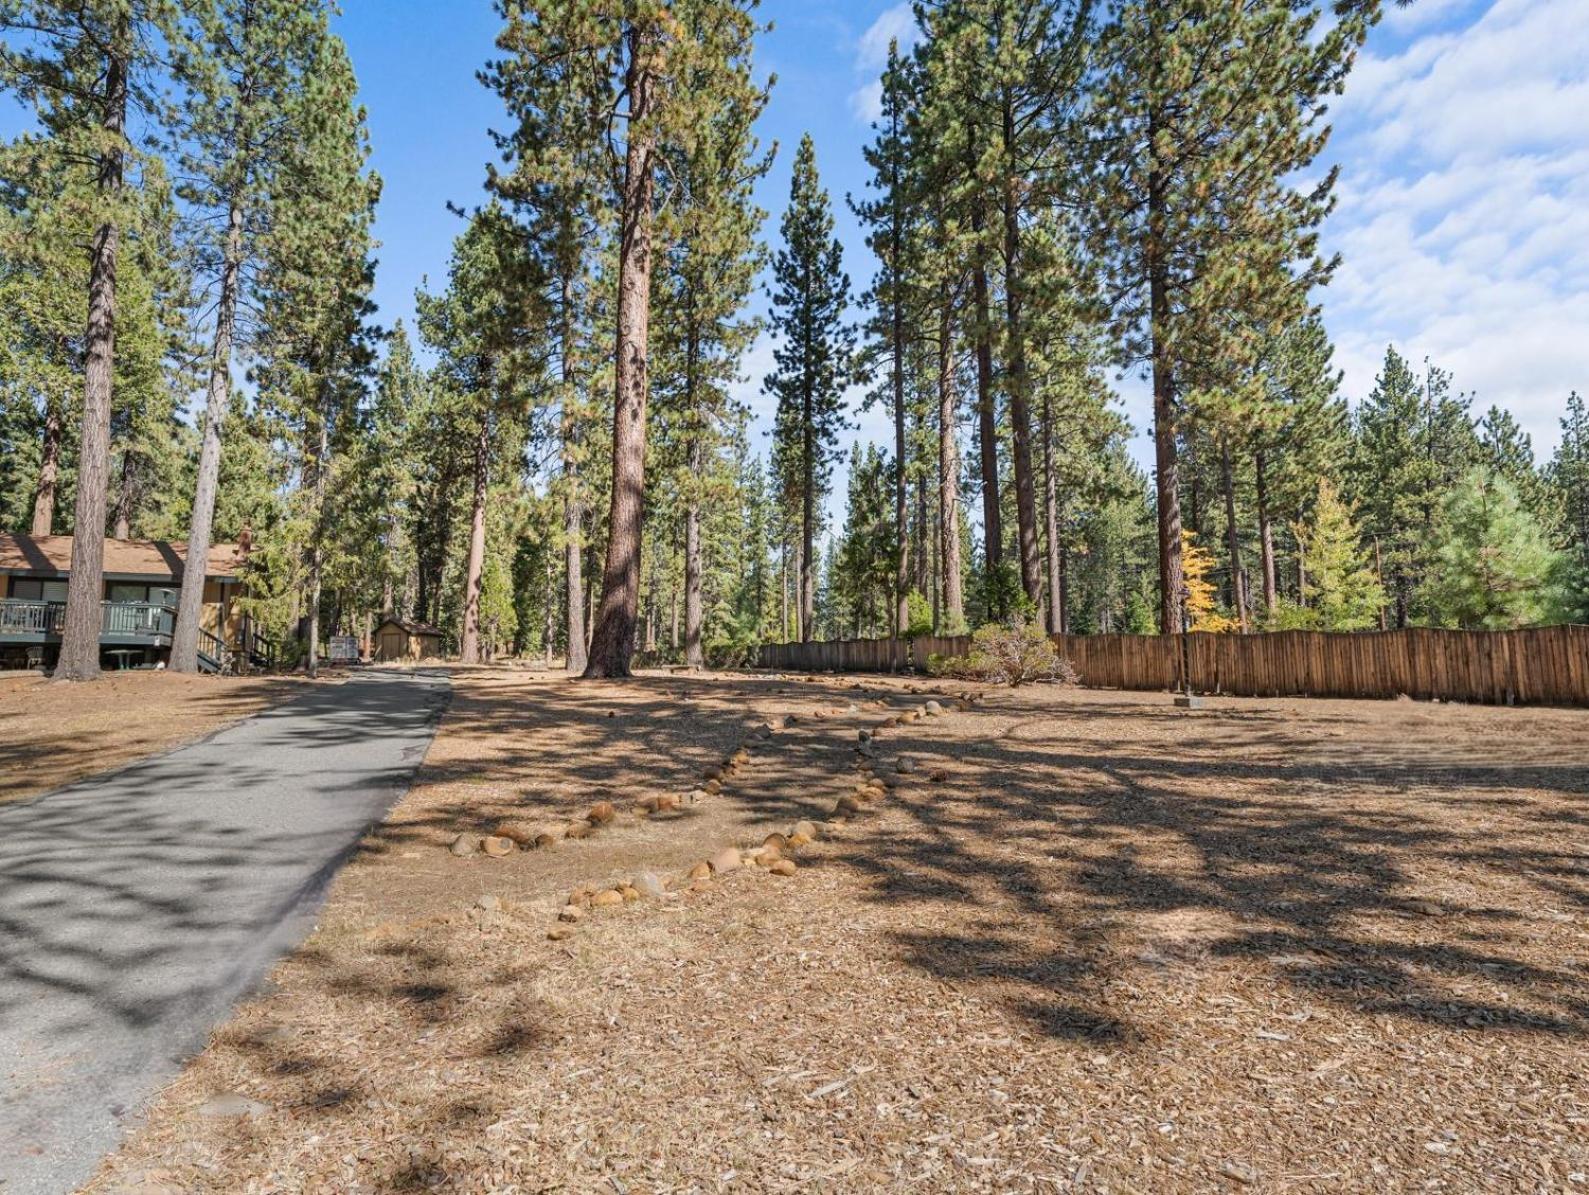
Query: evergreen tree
x,y
313,291
861,577
889,217
1202,116
814,360
1341,592
1568,479
957,131
46,216
1412,440
392,467
1507,451
242,62
1113,583
645,64
1494,565
1299,438
554,79
83,68
477,327
709,263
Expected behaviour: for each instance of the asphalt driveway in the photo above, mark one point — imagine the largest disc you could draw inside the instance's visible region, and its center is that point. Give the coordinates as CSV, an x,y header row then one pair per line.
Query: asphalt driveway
x,y
137,908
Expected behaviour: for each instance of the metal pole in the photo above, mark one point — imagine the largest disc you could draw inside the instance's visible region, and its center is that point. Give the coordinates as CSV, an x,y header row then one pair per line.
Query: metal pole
x,y
1187,700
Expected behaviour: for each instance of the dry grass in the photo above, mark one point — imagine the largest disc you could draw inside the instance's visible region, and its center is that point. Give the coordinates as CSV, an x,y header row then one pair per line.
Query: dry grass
x,y
1088,943
55,733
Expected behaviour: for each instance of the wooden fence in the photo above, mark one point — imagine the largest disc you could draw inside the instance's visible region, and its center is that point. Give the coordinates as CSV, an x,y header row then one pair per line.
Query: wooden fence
x,y
1542,665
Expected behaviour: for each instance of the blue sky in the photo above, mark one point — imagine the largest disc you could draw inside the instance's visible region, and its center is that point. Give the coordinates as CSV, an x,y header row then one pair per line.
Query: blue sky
x,y
1463,139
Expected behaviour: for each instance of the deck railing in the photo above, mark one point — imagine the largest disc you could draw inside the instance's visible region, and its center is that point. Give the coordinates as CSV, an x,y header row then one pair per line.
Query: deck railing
x,y
18,617
137,622
143,620
138,618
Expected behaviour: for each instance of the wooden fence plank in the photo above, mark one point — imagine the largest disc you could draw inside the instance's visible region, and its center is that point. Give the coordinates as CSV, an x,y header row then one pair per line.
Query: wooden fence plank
x,y
1541,665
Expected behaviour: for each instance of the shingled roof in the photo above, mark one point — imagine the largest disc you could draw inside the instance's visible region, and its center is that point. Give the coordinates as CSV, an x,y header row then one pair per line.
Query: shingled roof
x,y
155,558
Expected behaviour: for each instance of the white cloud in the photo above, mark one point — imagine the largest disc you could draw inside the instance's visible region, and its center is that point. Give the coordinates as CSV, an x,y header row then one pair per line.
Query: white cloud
x,y
896,24
866,102
1464,204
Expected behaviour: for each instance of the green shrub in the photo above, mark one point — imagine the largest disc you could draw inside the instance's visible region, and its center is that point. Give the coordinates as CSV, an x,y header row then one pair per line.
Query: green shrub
x,y
1008,654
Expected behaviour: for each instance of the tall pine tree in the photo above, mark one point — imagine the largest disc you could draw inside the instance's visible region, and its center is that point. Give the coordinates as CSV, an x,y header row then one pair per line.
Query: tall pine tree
x,y
815,361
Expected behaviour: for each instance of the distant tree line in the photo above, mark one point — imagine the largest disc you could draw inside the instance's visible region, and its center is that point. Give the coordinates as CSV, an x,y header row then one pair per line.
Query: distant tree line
x,y
552,461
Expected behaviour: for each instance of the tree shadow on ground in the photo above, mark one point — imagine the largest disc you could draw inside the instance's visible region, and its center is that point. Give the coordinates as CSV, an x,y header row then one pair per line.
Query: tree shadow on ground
x,y
1063,853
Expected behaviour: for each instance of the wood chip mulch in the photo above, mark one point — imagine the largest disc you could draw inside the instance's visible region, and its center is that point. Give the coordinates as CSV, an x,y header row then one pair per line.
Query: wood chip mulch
x,y
1270,946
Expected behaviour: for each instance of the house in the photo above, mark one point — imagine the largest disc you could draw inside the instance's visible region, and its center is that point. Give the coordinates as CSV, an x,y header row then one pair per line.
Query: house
x,y
142,581
404,639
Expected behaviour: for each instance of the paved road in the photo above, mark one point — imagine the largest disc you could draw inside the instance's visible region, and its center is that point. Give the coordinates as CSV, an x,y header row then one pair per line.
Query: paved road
x,y
136,909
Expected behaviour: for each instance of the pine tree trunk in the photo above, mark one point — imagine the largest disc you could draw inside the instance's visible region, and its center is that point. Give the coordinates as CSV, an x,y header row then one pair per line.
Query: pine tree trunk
x,y
123,525
573,560
1064,588
1266,535
693,620
1302,572
987,425
469,649
1238,588
1020,413
612,642
49,471
693,615
549,619
649,638
1056,589
808,521
573,508
1379,575
190,603
921,572
954,606
783,594
317,531
79,658
1167,476
422,594
897,349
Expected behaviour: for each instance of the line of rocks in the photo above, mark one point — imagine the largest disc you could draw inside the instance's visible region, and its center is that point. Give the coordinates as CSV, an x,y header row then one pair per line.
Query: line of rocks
x,y
774,855
513,835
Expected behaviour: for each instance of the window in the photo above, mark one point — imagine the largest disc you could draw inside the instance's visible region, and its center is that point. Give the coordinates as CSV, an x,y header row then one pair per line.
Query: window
x,y
120,592
30,589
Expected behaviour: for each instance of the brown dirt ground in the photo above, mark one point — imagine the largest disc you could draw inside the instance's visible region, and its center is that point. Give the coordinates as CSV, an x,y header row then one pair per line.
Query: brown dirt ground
x,y
54,733
1091,943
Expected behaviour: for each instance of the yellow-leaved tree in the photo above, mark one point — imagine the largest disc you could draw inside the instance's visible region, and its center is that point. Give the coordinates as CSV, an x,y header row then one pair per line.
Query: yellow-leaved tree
x,y
1202,611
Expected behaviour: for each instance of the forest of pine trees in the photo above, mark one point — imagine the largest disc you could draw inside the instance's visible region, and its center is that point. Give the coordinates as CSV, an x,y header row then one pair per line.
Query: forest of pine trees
x,y
552,461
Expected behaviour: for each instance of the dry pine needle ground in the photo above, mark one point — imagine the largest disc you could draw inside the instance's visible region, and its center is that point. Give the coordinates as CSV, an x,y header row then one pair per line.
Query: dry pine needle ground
x,y
1085,942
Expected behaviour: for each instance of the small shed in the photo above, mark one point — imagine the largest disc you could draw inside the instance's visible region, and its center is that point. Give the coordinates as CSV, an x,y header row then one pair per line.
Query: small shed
x,y
405,639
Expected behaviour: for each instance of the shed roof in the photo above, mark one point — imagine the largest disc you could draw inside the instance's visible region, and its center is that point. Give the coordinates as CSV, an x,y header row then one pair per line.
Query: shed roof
x,y
52,554
410,626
